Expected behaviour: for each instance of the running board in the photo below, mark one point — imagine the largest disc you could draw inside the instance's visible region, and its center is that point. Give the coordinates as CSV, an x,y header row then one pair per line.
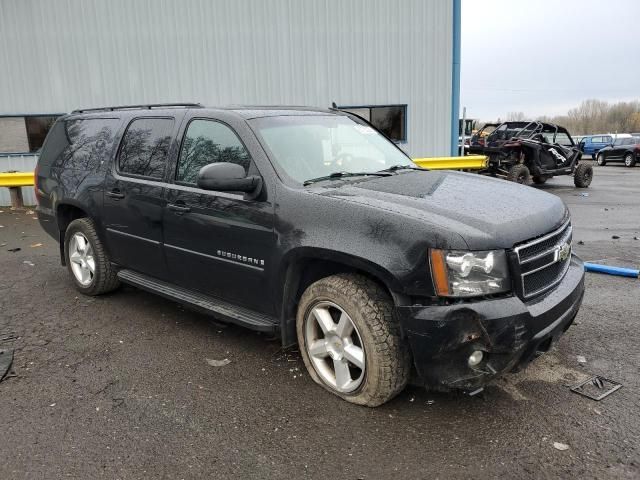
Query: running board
x,y
203,303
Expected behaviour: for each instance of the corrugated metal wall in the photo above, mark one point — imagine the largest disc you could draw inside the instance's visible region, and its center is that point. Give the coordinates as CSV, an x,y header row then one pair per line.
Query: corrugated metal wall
x,y
18,163
60,55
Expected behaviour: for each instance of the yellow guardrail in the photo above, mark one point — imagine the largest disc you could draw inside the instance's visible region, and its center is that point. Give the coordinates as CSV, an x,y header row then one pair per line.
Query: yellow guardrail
x,y
16,179
468,162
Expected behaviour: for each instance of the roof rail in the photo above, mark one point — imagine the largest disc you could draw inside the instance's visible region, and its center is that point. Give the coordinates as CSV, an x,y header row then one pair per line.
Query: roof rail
x,y
148,106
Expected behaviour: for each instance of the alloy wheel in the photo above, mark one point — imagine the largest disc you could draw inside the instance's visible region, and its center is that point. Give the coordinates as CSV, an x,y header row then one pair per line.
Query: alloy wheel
x,y
628,160
83,264
334,347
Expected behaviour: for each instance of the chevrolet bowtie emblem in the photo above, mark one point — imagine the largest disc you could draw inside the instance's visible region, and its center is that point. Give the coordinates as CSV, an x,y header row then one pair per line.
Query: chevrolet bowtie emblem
x,y
563,252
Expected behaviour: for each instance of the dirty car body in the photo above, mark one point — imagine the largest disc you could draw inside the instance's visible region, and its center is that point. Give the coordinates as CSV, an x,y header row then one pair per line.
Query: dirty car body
x,y
259,252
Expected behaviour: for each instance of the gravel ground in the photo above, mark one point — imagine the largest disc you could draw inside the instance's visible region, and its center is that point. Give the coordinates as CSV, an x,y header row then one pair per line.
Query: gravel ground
x,y
119,386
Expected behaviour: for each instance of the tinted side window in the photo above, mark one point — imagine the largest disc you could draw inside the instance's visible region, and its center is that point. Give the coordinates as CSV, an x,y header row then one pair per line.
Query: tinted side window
x,y
54,147
145,147
205,142
89,142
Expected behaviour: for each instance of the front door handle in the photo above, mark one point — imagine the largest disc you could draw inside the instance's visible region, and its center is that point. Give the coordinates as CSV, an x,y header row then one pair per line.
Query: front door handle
x,y
115,193
178,208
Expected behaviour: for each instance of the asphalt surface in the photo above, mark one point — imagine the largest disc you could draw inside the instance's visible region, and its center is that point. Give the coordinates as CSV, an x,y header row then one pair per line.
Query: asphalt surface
x,y
119,386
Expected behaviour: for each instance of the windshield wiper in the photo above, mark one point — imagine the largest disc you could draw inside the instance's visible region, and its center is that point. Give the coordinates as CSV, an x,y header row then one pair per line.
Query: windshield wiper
x,y
336,175
402,167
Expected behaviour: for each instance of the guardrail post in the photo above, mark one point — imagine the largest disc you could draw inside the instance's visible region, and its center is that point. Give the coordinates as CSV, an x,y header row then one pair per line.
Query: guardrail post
x,y
16,197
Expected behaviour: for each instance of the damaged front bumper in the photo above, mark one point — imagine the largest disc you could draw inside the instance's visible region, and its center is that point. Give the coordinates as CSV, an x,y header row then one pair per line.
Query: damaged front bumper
x,y
508,331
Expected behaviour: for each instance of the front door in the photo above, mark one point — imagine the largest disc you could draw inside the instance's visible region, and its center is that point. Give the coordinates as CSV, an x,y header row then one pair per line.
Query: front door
x,y
134,196
218,243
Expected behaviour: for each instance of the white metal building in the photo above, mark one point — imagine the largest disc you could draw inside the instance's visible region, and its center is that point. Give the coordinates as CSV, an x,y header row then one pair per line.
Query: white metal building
x,y
364,54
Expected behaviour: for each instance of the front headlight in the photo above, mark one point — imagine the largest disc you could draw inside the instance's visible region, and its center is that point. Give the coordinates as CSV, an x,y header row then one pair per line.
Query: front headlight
x,y
458,273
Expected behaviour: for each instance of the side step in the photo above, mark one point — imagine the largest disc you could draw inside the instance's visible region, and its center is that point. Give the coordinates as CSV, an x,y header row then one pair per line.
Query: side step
x,y
203,303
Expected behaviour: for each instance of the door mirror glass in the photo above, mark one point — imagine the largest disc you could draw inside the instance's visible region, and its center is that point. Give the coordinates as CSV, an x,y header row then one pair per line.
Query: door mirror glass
x,y
227,177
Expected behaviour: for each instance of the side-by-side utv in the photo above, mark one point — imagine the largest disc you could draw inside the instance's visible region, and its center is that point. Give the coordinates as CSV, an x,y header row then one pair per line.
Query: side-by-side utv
x,y
521,151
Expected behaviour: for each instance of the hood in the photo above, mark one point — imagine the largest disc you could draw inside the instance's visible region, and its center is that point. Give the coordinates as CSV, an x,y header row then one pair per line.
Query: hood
x,y
486,212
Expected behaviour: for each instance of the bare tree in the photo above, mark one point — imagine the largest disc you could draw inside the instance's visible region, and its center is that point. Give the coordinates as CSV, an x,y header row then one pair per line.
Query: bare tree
x,y
516,117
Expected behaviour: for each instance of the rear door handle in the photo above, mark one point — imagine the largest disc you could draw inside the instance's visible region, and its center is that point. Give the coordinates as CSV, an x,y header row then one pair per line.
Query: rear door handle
x,y
178,208
115,193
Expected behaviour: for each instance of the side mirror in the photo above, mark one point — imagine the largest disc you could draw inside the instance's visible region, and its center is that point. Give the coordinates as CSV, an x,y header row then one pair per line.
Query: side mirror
x,y
228,177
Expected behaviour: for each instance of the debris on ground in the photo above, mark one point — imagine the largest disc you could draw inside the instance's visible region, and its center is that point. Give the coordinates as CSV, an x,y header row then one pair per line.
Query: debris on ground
x,y
29,212
17,249
218,363
582,359
584,194
36,245
27,262
580,242
615,237
6,359
560,446
596,388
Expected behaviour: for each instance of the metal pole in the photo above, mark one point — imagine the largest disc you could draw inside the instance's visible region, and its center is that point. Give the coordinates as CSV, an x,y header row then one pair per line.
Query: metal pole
x,y
464,129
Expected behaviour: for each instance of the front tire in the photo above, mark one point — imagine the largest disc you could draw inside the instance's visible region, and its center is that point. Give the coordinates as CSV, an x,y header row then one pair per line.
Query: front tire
x,y
87,261
583,175
350,341
519,173
600,160
629,160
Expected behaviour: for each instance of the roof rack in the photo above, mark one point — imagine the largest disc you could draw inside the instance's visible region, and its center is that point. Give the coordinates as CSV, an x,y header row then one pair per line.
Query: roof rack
x,y
148,106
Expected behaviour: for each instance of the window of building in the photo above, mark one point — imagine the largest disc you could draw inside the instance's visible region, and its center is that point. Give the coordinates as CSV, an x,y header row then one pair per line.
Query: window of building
x,y
389,119
145,147
205,142
24,134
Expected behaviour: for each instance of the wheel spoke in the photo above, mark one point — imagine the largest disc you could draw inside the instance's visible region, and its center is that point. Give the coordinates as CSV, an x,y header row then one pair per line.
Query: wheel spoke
x,y
82,243
345,327
343,376
318,349
355,355
91,263
323,317
84,275
75,257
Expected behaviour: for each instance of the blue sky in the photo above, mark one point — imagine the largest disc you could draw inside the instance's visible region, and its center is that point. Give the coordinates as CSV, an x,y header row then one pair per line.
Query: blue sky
x,y
543,57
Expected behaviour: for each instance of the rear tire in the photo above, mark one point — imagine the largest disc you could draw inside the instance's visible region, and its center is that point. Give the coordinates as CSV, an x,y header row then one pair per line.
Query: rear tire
x,y
600,160
519,173
87,261
583,175
629,160
373,334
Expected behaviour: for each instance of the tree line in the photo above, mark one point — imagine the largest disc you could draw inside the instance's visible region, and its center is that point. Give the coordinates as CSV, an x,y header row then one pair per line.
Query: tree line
x,y
593,116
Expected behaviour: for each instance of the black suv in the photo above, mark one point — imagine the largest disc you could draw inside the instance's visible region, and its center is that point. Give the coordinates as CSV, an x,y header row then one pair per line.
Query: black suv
x,y
311,223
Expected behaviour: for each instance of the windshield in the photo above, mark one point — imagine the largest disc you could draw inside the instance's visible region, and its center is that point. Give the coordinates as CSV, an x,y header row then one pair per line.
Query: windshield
x,y
312,146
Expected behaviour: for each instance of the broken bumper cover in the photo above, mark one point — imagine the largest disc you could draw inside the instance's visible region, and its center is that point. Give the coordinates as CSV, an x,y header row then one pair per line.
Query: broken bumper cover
x,y
508,331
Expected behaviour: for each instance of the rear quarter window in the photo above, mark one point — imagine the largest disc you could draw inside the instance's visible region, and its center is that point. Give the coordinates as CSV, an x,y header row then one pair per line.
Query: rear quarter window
x,y
80,144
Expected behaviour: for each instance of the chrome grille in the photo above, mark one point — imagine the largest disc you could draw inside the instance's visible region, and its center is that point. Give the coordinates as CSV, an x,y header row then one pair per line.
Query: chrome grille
x,y
544,261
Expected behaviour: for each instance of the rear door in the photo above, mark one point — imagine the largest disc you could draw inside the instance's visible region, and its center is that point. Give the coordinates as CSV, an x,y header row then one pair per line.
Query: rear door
x,y
218,243
616,151
134,194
